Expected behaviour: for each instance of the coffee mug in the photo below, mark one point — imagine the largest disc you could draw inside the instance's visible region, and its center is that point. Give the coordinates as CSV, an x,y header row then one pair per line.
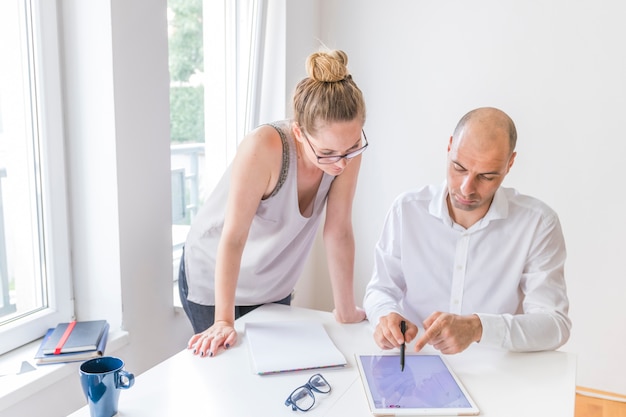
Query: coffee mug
x,y
101,379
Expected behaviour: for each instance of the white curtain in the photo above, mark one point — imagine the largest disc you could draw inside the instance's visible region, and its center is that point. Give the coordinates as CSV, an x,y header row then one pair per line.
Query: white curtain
x,y
253,46
244,51
260,63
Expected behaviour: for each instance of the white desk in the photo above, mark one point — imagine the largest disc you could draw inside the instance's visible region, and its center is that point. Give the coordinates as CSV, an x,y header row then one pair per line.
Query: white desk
x,y
502,383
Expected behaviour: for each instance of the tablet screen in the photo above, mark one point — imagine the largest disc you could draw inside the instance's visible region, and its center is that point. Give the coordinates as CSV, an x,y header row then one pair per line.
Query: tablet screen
x,y
426,386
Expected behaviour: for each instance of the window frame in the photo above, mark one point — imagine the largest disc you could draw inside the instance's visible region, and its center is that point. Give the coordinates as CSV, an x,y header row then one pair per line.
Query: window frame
x,y
41,19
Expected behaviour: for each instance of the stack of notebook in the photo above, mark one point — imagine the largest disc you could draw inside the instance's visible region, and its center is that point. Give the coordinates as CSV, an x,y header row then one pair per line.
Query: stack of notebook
x,y
72,342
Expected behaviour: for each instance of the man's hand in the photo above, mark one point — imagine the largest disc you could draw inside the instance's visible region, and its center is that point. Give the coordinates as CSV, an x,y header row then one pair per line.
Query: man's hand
x,y
450,333
388,335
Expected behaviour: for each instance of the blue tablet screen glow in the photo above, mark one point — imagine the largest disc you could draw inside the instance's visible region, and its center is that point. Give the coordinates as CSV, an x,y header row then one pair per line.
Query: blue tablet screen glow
x,y
424,383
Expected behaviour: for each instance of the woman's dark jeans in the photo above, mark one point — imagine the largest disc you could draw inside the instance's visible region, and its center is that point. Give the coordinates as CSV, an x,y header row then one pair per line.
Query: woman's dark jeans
x,y
202,317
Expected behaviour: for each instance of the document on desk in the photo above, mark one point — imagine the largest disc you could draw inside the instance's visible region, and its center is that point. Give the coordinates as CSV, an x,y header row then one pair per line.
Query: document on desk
x,y
291,346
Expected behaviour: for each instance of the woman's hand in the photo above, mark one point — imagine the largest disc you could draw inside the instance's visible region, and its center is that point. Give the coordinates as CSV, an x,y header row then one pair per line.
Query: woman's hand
x,y
355,316
220,336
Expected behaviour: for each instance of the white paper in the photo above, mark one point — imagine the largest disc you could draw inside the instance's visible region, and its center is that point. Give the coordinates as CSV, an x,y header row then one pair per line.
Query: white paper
x,y
291,346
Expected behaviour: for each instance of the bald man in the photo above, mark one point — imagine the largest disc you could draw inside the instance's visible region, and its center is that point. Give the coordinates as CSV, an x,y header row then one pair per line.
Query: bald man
x,y
470,261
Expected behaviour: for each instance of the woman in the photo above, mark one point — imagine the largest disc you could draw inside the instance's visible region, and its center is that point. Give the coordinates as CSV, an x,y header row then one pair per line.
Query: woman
x,y
251,238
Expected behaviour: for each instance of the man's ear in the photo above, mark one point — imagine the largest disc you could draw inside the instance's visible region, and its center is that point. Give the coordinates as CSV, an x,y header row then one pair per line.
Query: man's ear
x,y
450,144
511,160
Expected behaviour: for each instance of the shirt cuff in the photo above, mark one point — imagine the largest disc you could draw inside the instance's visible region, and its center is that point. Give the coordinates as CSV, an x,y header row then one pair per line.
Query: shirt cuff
x,y
494,330
374,314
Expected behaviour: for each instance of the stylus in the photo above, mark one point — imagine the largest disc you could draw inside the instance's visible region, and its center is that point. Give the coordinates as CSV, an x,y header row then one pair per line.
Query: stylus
x,y
403,347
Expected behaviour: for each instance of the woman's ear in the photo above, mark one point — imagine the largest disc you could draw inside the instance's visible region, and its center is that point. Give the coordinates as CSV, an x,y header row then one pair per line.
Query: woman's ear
x,y
297,131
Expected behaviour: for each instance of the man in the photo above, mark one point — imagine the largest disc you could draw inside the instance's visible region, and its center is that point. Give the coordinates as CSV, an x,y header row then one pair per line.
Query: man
x,y
469,260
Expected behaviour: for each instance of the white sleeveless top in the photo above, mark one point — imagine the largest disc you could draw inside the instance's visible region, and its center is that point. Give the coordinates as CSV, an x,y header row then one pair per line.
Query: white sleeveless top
x,y
278,244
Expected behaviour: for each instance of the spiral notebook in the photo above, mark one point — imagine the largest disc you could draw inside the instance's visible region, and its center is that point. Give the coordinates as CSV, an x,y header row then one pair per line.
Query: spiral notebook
x,y
291,346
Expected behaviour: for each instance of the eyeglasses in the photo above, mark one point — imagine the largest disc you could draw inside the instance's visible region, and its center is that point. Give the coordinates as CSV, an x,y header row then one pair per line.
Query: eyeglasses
x,y
302,398
336,158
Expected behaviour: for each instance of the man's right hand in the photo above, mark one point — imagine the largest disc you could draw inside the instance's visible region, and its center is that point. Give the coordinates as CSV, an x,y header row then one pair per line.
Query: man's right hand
x,y
388,335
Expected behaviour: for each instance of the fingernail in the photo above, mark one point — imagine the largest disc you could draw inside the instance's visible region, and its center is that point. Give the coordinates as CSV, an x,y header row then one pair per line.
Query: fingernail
x,y
210,353
201,353
227,345
195,351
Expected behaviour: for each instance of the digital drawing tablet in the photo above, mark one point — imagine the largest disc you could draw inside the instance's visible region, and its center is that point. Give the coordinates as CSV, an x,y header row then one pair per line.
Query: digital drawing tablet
x,y
427,386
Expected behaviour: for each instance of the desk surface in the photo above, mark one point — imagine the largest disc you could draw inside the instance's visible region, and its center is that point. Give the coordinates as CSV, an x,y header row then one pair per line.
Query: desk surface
x,y
502,383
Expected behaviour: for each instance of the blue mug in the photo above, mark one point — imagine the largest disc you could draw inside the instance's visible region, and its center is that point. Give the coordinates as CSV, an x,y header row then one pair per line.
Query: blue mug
x,y
101,379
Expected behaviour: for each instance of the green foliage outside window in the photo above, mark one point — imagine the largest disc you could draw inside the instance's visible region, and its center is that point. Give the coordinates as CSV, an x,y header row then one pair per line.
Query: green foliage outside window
x,y
187,114
186,61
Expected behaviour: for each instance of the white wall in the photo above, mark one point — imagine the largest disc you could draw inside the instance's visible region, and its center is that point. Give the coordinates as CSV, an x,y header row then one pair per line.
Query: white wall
x,y
558,68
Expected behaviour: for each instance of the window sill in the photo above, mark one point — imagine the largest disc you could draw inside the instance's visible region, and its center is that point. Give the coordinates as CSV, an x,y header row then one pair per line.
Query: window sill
x,y
16,386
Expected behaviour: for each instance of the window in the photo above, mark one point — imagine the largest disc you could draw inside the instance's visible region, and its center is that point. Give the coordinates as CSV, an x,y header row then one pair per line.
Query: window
x,y
34,257
187,124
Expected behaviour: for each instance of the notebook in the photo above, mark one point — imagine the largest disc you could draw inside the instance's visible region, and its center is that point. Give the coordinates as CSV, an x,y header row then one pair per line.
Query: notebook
x,y
77,336
43,359
427,386
290,346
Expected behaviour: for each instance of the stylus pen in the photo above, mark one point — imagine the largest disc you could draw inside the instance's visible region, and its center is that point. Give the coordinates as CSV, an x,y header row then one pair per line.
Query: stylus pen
x,y
403,347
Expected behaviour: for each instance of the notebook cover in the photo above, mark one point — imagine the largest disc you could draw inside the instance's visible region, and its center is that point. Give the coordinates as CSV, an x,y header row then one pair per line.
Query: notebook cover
x,y
43,359
85,336
291,346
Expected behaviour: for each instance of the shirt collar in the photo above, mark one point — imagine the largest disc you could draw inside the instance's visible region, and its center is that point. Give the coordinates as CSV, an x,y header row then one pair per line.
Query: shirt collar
x,y
438,207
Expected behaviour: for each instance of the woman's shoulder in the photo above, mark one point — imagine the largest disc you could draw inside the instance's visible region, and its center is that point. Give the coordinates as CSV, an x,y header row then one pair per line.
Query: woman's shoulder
x,y
282,127
261,153
265,139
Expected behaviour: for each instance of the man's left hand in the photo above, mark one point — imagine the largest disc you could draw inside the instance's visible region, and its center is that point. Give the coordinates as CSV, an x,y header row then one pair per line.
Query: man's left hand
x,y
450,333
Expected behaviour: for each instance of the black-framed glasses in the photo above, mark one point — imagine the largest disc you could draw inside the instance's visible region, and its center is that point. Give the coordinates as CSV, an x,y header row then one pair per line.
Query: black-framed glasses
x,y
336,158
302,398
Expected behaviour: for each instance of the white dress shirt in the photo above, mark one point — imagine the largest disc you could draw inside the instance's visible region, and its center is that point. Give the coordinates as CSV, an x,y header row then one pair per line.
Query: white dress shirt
x,y
507,268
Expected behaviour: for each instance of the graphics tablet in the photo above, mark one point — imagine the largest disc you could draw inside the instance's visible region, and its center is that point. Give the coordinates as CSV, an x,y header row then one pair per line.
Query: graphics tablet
x,y
428,386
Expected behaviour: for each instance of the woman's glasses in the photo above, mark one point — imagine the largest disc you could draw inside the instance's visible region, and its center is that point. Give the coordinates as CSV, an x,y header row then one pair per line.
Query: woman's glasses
x,y
336,158
302,398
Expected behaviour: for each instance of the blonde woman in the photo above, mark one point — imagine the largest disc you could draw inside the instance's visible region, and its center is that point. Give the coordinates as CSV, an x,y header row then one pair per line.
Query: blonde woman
x,y
250,240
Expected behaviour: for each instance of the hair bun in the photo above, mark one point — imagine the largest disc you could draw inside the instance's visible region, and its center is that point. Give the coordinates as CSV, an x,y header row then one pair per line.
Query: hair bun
x,y
328,66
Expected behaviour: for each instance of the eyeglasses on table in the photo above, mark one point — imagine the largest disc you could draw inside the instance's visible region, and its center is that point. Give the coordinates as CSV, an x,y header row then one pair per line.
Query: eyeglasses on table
x,y
303,397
